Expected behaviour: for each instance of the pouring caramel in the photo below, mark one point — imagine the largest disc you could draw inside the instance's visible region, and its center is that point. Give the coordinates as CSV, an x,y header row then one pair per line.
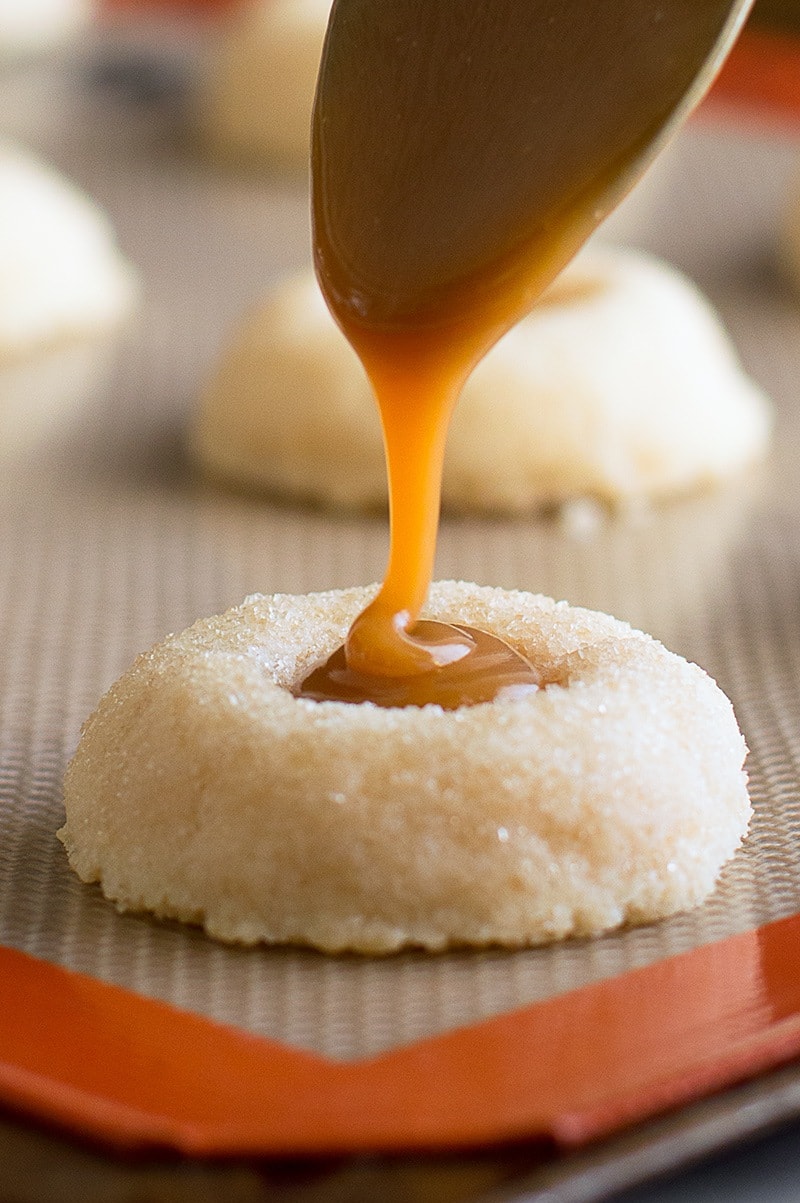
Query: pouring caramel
x,y
461,154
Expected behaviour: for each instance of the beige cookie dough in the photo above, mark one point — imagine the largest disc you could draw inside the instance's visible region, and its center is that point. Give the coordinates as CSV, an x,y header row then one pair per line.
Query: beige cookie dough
x,y
33,25
254,103
61,274
622,385
203,790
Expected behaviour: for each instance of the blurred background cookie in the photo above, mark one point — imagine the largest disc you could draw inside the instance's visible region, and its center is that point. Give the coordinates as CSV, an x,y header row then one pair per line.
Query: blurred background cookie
x,y
620,385
255,100
64,286
27,26
61,274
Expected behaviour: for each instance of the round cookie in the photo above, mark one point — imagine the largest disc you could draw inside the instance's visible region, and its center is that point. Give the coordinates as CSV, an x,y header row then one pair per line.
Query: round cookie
x,y
620,385
203,790
61,275
256,99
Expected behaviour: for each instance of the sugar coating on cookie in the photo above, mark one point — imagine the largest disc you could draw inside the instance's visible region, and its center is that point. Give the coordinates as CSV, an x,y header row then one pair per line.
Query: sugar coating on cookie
x,y
204,790
621,385
61,274
257,94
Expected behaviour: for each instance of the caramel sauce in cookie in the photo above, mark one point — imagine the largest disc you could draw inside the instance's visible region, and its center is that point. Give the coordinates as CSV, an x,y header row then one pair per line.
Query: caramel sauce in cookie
x,y
453,175
490,669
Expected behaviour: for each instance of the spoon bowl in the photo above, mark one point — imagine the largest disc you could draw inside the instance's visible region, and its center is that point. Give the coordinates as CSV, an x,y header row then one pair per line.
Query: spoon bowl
x,y
463,152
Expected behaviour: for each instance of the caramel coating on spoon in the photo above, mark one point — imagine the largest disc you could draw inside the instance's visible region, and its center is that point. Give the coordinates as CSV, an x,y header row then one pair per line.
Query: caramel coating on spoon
x,y
449,191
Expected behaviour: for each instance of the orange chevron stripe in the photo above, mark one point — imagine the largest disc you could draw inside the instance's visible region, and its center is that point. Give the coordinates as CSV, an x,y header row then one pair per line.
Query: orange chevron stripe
x,y
133,1073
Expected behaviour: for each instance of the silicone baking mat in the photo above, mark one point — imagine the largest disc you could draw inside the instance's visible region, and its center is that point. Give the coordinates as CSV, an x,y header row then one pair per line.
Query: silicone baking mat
x,y
109,542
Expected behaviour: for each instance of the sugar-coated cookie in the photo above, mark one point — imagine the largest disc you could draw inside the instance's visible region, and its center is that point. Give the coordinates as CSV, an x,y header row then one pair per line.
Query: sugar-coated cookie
x,y
61,274
204,790
620,385
255,101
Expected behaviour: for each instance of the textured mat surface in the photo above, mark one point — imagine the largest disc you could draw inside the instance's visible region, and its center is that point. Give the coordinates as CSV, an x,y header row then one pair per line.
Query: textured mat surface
x,y
108,543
